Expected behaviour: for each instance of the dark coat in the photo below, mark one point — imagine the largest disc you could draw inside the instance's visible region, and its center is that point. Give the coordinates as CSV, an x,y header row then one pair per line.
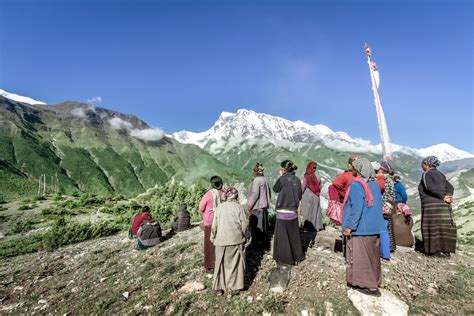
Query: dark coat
x,y
433,185
288,187
182,221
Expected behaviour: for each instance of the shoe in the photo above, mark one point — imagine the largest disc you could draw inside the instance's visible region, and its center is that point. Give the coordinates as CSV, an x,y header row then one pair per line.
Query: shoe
x,y
366,291
219,292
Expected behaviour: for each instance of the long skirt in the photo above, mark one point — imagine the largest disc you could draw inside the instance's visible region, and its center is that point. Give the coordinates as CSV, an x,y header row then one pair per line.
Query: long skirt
x,y
209,250
363,262
259,226
437,227
287,246
229,270
311,211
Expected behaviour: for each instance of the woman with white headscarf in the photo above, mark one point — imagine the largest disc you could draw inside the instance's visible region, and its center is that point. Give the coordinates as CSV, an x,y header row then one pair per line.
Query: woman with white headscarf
x,y
228,235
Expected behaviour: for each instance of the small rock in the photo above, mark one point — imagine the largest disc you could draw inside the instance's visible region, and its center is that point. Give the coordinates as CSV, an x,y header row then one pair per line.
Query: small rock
x,y
304,313
191,287
126,295
249,299
266,314
102,280
42,302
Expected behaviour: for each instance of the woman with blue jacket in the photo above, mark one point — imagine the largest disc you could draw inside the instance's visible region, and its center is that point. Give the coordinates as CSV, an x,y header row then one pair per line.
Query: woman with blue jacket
x,y
362,224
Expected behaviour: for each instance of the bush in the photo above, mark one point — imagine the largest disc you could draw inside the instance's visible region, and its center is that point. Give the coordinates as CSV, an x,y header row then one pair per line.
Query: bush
x,y
26,207
22,226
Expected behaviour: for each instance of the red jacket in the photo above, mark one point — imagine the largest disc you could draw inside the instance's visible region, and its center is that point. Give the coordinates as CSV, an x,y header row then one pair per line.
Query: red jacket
x,y
137,221
381,182
342,183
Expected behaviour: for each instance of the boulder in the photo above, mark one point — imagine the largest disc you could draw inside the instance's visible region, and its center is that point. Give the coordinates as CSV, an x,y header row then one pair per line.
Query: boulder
x,y
386,304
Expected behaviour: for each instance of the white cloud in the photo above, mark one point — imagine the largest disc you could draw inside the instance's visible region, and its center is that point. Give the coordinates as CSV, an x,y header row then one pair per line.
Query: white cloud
x,y
118,123
147,134
79,112
95,100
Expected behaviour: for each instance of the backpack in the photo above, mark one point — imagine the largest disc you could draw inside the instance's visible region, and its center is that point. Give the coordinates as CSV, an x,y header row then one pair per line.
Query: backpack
x,y
334,212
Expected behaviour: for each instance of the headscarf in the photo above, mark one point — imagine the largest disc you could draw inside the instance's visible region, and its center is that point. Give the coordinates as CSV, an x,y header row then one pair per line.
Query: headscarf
x,y
311,179
231,193
375,165
352,159
397,178
258,169
385,166
432,161
364,167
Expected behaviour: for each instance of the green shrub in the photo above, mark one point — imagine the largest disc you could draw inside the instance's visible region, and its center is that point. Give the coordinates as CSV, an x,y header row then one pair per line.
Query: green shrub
x,y
26,207
22,226
2,208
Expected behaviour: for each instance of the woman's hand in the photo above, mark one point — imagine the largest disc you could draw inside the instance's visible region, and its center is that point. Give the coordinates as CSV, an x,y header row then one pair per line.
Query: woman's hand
x,y
347,232
448,199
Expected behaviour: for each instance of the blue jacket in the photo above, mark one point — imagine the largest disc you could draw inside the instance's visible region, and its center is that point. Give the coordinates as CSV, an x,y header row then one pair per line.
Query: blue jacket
x,y
361,219
400,193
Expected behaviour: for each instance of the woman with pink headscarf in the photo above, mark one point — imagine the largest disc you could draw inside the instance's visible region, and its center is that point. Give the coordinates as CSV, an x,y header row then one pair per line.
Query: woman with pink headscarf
x,y
310,203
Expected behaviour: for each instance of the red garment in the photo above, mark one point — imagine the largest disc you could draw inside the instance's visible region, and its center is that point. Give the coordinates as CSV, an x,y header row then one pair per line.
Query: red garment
x,y
137,221
368,193
312,181
342,183
381,182
333,193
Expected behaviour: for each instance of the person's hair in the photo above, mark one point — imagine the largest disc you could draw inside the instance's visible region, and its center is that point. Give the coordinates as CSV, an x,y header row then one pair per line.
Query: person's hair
x,y
288,165
146,208
217,182
258,169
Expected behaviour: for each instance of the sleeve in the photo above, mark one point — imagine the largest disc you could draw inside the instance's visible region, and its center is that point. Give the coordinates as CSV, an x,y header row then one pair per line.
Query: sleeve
x,y
205,199
449,188
300,191
277,186
433,186
244,220
254,192
214,225
355,206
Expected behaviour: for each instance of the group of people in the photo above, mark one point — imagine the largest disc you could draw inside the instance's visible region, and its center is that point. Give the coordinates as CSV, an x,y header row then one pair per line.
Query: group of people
x,y
147,231
375,219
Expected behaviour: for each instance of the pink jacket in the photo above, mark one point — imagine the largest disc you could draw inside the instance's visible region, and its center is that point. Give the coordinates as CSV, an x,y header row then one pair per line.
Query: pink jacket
x,y
206,207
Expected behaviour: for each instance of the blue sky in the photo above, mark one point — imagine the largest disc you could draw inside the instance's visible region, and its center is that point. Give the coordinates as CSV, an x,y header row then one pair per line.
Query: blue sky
x,y
178,64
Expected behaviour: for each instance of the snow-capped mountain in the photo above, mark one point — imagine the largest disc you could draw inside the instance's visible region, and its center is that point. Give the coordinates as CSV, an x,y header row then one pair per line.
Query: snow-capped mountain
x,y
444,152
246,127
19,98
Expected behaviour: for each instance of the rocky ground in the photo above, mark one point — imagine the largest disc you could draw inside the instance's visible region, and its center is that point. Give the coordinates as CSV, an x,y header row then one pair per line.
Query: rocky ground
x,y
108,276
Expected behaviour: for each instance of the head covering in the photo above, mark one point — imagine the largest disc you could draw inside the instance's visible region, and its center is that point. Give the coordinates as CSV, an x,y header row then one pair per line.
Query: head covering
x,y
217,182
352,159
288,165
385,166
258,169
364,167
432,161
397,178
375,165
311,179
231,193
146,208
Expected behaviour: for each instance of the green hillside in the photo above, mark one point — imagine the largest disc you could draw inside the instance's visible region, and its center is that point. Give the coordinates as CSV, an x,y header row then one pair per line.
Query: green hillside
x,y
86,154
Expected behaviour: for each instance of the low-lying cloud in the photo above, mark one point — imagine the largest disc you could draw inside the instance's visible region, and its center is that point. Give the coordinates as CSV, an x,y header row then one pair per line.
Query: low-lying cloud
x,y
95,100
82,112
147,134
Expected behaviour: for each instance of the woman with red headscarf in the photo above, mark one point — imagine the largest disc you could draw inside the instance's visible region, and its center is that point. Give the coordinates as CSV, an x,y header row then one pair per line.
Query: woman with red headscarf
x,y
310,203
